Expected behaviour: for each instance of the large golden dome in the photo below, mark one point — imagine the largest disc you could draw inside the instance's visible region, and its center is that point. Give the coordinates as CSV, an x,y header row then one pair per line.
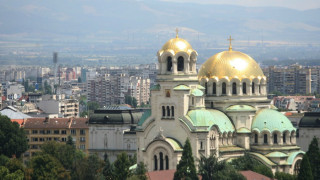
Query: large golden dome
x,y
176,45
231,64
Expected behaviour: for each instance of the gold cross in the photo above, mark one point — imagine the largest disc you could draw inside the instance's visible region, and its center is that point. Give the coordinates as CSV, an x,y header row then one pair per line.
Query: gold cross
x,y
230,45
177,32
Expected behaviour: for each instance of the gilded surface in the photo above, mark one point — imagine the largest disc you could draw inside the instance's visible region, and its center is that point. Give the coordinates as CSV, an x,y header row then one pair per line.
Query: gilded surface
x,y
230,64
176,45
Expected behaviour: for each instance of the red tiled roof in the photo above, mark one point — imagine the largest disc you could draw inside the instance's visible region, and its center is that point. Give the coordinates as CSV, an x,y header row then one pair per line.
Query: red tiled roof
x,y
79,123
250,175
162,175
19,121
43,123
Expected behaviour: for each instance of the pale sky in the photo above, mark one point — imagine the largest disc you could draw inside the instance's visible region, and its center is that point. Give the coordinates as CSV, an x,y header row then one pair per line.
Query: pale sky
x,y
293,4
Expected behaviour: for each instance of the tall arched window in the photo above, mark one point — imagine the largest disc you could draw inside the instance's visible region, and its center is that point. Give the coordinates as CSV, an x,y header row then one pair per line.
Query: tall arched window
x,y
214,88
172,111
168,111
161,160
265,139
284,138
256,138
155,159
167,162
244,88
234,88
206,88
275,138
180,63
163,111
259,89
252,88
224,88
169,63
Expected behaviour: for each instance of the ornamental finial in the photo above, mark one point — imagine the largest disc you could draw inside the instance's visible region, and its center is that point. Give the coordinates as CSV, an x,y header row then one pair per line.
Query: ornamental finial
x,y
230,45
177,32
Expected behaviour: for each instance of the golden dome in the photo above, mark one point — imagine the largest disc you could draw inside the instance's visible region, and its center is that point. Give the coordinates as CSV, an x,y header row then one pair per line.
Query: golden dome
x,y
176,45
231,64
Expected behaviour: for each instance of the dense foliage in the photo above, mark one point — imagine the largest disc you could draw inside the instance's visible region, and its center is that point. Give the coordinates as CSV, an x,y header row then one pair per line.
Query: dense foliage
x,y
313,154
305,169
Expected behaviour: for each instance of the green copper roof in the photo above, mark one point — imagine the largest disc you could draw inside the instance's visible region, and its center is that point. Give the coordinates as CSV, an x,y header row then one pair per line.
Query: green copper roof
x,y
176,145
243,130
276,154
200,87
271,120
155,87
181,88
144,117
210,117
240,108
196,92
293,155
262,158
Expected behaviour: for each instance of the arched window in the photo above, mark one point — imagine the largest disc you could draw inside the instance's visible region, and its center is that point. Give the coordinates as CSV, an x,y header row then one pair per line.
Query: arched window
x,y
211,104
296,168
172,111
201,145
169,63
252,88
192,100
234,88
284,139
180,63
168,111
161,160
167,162
214,88
275,138
259,89
155,162
163,111
206,88
265,139
224,88
244,88
256,138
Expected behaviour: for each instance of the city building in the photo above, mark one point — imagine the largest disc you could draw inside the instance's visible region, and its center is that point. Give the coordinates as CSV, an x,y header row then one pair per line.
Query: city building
x,y
309,127
223,110
110,131
295,103
41,130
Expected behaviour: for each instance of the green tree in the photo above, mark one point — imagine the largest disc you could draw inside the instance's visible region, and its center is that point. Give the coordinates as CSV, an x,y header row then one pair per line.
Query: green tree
x,y
264,170
45,166
70,141
141,171
108,168
207,167
134,102
186,168
121,167
305,172
12,138
227,172
284,176
92,105
313,154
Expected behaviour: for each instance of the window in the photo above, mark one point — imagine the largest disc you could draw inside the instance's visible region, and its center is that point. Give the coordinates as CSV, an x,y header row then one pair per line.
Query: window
x,y
192,100
206,88
82,131
41,132
214,88
63,139
56,132
35,139
259,89
265,139
284,138
167,92
82,139
168,111
48,131
172,111
34,131
49,139
161,160
26,131
244,88
180,63
41,139
211,104
234,88
224,88
82,146
163,111
201,145
155,159
252,88
56,139
167,163
73,131
169,63
63,132
256,138
275,139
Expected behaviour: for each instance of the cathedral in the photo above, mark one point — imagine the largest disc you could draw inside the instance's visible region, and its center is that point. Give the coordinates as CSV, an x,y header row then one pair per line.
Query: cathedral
x,y
223,110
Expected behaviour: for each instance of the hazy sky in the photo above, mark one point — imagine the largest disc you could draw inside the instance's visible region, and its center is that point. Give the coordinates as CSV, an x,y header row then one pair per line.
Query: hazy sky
x,y
294,4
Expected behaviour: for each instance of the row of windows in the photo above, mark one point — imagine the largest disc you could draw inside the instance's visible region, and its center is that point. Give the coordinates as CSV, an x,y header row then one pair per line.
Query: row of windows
x,y
234,88
72,131
275,138
63,139
82,146
180,66
161,162
167,111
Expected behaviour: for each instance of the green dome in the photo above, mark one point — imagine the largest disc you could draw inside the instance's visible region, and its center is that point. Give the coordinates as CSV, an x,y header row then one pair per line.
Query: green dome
x,y
209,118
271,120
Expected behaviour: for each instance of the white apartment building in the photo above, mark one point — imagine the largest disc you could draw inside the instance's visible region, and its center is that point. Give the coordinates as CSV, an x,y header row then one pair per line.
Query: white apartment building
x,y
63,107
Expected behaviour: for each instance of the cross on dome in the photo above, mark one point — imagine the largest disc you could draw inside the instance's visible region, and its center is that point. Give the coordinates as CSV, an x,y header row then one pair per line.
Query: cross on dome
x,y
177,32
230,45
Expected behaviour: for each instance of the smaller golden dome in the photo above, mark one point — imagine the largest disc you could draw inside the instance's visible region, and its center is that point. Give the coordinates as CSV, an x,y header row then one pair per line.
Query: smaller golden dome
x,y
176,45
230,64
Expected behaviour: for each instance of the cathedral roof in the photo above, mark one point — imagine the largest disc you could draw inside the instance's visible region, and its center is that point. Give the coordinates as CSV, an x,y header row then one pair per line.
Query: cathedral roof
x,y
271,120
176,45
230,64
209,117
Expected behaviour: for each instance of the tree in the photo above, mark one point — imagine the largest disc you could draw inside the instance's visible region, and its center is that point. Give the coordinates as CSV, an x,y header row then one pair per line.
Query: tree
x,y
12,138
313,154
121,167
70,141
108,168
264,170
305,171
45,166
141,171
134,102
284,176
227,172
186,168
92,105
